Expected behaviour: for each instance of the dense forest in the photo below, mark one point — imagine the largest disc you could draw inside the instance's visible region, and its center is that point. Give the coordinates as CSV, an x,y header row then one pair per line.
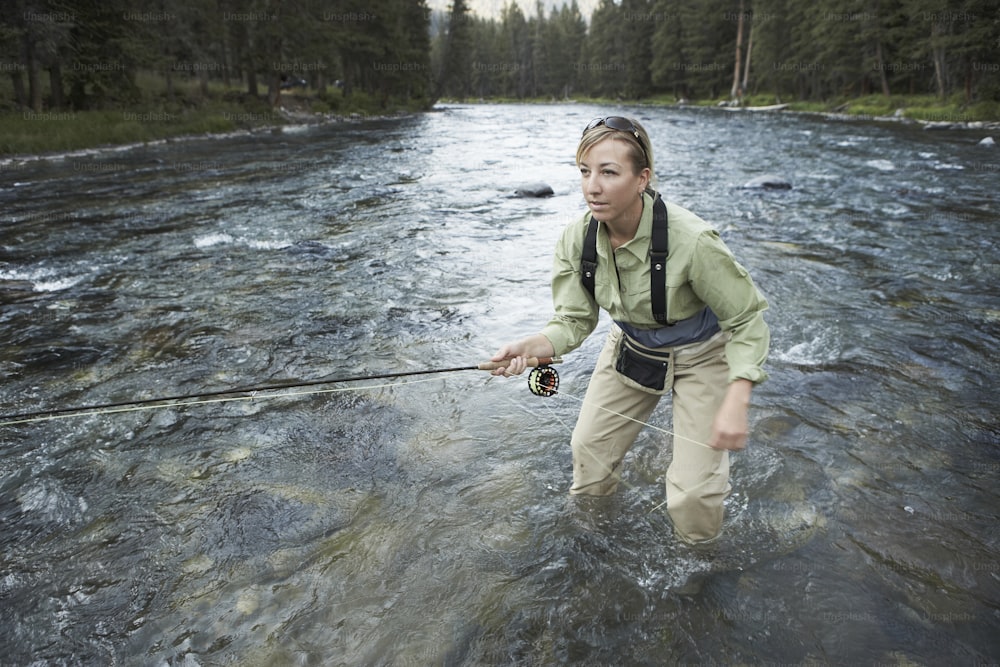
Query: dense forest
x,y
88,54
92,54
725,49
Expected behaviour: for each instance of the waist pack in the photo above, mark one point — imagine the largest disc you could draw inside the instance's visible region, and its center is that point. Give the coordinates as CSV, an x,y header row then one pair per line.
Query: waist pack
x,y
642,368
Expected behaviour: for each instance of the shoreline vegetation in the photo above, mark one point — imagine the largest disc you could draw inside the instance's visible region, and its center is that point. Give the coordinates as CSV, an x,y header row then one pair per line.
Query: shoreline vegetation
x,y
188,112
128,72
28,136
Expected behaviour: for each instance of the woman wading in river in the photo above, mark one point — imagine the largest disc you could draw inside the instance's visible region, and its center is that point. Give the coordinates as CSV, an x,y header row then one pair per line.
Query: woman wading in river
x,y
689,323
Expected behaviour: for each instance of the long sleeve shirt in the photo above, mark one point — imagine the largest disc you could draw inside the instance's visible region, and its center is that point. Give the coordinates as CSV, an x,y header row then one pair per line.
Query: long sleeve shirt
x,y
701,271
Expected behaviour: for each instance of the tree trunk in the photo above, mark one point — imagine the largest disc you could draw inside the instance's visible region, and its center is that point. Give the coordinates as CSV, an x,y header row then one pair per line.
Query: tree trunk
x,y
56,86
252,88
881,68
17,81
224,50
746,65
274,89
34,80
735,93
938,53
245,55
273,47
939,71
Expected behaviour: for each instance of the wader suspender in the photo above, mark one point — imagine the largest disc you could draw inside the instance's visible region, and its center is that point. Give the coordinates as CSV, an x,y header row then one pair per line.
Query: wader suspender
x,y
658,251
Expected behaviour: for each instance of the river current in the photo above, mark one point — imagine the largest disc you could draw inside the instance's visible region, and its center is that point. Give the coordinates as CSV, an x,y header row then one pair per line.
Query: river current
x,y
425,520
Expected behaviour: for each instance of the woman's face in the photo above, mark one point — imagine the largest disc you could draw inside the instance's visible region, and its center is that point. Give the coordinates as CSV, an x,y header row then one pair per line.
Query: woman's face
x,y
609,183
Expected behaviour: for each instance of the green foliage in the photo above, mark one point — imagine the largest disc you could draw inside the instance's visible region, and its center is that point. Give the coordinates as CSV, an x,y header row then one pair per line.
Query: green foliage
x,y
685,49
456,71
319,106
88,54
190,58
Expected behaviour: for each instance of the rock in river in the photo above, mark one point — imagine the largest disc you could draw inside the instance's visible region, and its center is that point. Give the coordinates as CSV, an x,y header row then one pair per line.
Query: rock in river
x,y
768,182
534,190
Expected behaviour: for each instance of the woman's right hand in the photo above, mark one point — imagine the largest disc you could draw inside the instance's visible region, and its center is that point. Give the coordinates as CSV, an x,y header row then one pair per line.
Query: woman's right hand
x,y
513,353
519,351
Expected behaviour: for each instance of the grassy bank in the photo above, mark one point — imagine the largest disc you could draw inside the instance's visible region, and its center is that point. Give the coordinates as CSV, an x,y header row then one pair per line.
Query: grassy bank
x,y
157,114
927,108
920,108
924,108
33,133
188,110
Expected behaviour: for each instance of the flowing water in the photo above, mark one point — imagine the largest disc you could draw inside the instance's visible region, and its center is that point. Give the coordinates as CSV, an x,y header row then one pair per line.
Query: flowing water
x,y
425,521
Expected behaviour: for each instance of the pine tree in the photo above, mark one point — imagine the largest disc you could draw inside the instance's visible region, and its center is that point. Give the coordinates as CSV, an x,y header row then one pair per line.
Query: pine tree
x,y
456,73
567,32
637,35
604,61
669,52
516,51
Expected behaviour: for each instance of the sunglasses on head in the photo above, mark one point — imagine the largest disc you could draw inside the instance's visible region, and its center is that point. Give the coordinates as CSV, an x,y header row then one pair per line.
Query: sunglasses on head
x,y
621,124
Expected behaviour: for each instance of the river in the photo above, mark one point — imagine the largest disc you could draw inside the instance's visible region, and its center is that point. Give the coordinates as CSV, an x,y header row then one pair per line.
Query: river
x,y
425,520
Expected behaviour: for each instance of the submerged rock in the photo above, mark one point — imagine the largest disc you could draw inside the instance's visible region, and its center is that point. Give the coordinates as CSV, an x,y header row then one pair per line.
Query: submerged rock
x,y
312,249
534,190
767,182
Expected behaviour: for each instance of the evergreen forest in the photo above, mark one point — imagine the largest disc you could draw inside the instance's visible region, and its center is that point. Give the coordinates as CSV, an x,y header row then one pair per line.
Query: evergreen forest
x,y
98,54
726,49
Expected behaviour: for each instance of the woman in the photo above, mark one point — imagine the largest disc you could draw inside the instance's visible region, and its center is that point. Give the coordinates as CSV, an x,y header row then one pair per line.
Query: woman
x,y
706,344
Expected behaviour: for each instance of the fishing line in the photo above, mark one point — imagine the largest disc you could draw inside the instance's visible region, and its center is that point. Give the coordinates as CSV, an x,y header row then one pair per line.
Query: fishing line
x,y
569,429
624,482
254,396
545,379
661,430
639,421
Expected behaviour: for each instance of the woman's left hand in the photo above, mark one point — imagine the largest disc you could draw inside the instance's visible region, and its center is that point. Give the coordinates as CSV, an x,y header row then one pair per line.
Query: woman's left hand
x,y
730,427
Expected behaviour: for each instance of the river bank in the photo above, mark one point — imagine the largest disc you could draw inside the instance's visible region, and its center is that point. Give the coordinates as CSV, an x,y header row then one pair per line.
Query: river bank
x,y
281,121
926,111
27,136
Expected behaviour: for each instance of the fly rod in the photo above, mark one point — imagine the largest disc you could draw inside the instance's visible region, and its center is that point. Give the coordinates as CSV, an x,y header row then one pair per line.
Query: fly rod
x,y
542,381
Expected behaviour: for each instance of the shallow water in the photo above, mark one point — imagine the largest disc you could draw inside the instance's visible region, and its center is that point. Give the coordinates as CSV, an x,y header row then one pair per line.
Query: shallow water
x,y
425,520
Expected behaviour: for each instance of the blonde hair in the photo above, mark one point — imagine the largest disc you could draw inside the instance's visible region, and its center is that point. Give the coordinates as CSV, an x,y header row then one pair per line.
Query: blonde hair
x,y
641,154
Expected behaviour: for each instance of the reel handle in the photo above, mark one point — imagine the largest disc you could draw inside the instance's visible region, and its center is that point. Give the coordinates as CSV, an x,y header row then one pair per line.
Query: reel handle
x,y
533,362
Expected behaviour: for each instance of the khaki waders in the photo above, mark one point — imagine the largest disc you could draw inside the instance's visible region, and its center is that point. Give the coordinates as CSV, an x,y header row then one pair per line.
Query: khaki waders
x,y
698,476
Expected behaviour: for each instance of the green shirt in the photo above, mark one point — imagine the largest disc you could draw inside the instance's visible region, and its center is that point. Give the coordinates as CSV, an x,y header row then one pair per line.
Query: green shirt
x,y
701,271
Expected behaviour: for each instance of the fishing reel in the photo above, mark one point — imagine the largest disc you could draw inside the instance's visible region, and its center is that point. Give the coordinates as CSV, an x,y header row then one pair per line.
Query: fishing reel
x,y
543,381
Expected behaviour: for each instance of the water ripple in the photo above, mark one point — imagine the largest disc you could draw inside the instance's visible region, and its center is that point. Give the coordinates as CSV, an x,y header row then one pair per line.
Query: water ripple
x,y
428,523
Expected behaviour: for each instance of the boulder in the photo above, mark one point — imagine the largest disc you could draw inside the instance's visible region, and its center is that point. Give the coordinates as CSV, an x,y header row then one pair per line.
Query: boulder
x,y
987,141
767,182
534,190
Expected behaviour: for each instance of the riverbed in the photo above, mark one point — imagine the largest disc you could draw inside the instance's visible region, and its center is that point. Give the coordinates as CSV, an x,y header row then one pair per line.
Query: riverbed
x,y
425,520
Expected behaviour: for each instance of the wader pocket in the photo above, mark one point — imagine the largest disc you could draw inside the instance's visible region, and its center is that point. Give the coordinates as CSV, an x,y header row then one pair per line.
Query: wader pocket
x,y
642,368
